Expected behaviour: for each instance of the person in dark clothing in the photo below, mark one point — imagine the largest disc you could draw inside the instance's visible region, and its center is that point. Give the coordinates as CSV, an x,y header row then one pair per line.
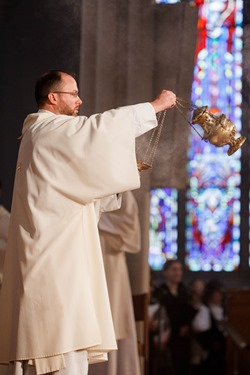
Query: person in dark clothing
x,y
208,331
159,332
172,295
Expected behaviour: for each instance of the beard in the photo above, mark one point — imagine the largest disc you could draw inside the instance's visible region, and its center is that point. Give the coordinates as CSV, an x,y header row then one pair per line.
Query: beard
x,y
68,111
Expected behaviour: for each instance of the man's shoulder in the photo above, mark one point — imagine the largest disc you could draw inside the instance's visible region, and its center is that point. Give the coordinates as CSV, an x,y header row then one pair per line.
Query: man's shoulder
x,y
42,119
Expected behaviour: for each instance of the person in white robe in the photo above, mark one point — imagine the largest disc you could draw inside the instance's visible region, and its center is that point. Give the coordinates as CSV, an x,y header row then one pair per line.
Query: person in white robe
x,y
54,301
120,234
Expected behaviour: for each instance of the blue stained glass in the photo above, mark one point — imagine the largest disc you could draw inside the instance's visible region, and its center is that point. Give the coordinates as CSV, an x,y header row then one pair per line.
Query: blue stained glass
x,y
167,1
163,227
213,200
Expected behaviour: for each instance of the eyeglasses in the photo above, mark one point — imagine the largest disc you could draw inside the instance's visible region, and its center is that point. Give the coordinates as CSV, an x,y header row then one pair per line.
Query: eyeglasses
x,y
74,94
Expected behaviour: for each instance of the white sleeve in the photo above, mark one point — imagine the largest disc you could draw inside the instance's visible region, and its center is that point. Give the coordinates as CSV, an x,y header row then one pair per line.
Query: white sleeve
x,y
111,203
202,321
145,118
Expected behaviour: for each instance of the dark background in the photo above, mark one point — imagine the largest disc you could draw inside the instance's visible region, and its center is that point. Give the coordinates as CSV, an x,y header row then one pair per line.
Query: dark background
x,y
35,36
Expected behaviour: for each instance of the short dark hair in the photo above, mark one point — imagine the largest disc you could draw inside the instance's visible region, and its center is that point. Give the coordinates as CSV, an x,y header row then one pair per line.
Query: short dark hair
x,y
48,82
168,264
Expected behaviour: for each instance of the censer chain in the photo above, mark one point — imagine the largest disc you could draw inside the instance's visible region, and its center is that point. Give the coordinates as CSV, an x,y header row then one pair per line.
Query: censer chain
x,y
150,153
190,107
152,146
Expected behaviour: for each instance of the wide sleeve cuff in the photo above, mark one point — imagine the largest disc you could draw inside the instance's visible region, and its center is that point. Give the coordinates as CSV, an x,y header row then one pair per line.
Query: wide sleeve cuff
x,y
144,117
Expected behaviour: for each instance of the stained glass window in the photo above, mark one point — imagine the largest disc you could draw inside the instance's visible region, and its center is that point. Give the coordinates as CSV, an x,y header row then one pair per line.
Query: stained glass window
x,y
167,1
163,227
213,200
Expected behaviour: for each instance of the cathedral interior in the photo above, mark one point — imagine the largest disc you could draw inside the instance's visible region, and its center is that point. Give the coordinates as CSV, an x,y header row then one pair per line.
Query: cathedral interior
x,y
194,201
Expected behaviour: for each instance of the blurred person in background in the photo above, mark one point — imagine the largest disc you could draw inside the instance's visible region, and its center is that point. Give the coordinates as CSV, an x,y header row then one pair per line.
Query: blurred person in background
x,y
198,353
173,296
120,233
208,333
159,333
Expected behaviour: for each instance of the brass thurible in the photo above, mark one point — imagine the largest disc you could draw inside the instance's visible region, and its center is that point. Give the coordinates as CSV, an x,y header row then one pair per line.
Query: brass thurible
x,y
218,129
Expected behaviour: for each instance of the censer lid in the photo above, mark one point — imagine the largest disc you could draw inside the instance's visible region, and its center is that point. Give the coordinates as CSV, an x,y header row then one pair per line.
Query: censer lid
x,y
198,112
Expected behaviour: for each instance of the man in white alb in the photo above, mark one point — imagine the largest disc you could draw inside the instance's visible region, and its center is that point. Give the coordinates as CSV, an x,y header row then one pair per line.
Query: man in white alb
x,y
54,311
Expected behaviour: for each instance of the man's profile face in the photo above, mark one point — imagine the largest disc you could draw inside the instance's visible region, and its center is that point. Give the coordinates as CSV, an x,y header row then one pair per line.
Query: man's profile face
x,y
68,101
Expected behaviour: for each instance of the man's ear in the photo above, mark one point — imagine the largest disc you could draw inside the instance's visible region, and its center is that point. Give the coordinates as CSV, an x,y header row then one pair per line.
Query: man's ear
x,y
52,98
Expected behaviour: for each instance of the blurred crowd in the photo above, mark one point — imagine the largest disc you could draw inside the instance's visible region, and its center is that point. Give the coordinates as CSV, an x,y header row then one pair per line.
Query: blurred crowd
x,y
185,325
